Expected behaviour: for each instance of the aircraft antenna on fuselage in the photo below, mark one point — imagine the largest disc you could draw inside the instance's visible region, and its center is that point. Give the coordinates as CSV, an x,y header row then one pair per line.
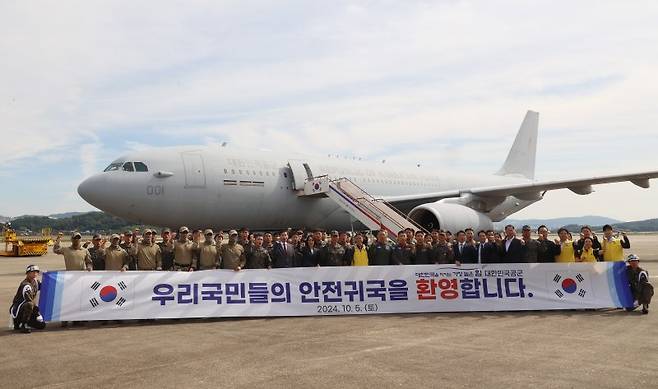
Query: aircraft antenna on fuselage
x,y
521,158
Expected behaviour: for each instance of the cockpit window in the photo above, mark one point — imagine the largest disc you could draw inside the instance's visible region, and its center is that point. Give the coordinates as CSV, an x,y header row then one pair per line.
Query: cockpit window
x,y
113,166
127,166
141,167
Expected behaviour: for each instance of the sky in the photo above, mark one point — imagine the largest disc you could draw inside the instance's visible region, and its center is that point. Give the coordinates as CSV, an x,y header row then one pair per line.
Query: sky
x,y
436,83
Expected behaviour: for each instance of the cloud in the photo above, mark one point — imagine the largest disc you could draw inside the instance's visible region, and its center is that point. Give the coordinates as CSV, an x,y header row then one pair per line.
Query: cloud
x,y
445,84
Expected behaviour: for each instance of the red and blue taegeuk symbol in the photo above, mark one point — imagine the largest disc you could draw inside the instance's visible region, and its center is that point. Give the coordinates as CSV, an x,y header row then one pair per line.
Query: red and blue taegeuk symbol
x,y
108,293
569,285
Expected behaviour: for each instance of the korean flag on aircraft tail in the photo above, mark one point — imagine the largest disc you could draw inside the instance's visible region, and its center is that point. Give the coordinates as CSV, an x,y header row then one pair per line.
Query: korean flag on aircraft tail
x,y
107,293
570,286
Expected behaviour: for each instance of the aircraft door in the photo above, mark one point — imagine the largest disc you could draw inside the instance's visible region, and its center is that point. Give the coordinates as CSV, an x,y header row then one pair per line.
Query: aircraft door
x,y
300,173
195,176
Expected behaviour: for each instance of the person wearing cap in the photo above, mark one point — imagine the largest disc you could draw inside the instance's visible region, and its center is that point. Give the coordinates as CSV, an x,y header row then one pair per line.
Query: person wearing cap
x,y
638,280
268,243
345,240
612,247
129,240
24,310
147,254
116,258
442,251
166,250
258,257
97,252
232,253
76,257
208,252
333,254
184,249
531,252
586,232
422,249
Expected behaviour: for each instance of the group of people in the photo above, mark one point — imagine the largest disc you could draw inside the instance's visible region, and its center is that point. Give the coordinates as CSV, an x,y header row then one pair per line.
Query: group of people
x,y
187,250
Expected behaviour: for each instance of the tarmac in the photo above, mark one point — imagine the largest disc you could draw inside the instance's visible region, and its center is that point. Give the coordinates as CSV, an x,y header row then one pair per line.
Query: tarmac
x,y
545,349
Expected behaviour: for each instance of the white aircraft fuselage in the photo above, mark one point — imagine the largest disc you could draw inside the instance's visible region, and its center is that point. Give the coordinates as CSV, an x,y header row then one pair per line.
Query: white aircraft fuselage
x,y
222,187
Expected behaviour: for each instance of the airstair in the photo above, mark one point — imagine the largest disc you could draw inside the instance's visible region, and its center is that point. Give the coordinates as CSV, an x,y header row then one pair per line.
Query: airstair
x,y
374,213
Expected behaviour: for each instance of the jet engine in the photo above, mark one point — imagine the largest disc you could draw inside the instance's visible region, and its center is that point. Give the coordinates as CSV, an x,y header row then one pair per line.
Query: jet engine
x,y
450,217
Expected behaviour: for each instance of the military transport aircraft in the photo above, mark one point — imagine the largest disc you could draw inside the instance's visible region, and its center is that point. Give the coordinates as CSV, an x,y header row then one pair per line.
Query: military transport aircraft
x,y
221,187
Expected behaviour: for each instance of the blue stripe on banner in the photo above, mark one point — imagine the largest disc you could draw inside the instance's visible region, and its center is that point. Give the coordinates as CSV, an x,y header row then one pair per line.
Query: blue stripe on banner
x,y
57,300
47,294
624,296
612,286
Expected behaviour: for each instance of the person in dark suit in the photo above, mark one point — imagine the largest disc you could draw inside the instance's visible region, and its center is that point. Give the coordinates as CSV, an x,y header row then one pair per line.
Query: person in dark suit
x,y
489,252
283,253
512,249
464,252
310,254
547,249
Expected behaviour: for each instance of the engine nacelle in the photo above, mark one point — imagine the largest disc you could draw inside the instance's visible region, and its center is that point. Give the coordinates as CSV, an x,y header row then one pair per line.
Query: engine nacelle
x,y
450,217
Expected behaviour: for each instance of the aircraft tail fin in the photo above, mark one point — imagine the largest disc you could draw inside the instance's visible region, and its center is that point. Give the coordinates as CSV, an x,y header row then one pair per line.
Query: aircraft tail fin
x,y
521,158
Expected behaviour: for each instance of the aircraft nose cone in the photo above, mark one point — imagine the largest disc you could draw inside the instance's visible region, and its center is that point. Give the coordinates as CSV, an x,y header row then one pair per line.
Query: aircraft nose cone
x,y
90,189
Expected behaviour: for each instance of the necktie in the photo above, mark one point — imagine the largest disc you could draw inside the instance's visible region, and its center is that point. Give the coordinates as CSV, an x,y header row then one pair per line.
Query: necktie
x,y
461,248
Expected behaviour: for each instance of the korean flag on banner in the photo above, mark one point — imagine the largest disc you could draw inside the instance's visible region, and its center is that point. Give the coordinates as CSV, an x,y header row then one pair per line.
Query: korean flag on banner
x,y
570,285
101,294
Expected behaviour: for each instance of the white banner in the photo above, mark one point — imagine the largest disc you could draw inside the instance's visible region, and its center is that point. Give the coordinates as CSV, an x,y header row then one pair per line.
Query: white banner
x,y
105,295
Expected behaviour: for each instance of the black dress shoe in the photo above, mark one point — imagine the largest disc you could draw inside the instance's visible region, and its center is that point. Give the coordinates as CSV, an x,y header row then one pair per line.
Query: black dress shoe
x,y
26,330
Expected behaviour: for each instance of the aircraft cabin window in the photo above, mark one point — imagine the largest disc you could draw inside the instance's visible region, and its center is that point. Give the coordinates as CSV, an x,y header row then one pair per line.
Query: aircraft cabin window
x,y
232,171
225,171
141,167
128,167
113,166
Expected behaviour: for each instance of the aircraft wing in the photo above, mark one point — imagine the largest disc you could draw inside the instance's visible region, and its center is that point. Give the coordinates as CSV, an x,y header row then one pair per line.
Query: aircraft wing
x,y
526,190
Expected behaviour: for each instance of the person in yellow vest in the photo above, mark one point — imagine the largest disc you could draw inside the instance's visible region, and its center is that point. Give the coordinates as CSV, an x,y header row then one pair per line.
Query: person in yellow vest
x,y
566,247
612,248
587,253
360,251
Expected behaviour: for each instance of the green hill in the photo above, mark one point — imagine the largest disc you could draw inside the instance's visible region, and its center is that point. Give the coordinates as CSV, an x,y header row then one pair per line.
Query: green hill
x,y
90,221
